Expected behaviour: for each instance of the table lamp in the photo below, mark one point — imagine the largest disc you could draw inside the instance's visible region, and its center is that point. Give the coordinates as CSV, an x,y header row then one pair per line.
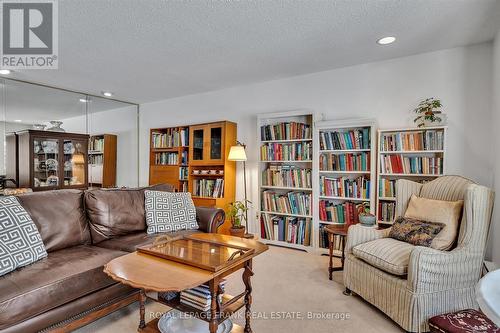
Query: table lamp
x,y
237,153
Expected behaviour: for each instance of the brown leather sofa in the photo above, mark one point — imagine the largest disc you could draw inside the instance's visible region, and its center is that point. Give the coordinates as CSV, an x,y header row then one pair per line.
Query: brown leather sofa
x,y
82,231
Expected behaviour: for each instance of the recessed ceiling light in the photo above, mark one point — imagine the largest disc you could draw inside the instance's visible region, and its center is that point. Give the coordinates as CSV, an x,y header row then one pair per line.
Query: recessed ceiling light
x,y
5,71
107,93
83,100
386,40
18,120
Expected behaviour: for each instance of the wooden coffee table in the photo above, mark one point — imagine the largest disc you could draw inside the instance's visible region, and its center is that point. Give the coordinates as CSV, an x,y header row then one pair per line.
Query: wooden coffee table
x,y
149,273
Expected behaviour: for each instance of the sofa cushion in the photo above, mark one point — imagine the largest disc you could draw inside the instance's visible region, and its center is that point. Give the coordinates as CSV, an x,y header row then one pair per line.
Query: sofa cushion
x,y
167,212
387,254
130,242
20,241
63,276
59,216
117,212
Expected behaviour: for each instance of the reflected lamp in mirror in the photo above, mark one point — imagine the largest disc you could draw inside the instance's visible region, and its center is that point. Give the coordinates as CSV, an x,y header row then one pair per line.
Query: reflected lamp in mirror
x,y
237,153
78,159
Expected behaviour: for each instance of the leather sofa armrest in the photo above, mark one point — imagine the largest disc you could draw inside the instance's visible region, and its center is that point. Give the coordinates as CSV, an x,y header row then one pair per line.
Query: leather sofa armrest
x,y
209,219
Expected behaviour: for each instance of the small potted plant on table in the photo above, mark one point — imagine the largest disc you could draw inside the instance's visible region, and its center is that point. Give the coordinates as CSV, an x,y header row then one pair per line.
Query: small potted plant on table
x,y
237,213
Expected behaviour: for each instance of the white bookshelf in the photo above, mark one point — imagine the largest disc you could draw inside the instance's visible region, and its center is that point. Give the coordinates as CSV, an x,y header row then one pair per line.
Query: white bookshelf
x,y
412,150
370,172
299,116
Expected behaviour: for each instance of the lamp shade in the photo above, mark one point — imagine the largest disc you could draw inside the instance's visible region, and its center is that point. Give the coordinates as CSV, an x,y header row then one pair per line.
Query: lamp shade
x,y
237,153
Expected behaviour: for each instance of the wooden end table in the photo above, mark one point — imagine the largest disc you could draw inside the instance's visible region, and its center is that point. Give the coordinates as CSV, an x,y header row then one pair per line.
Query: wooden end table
x,y
151,273
336,230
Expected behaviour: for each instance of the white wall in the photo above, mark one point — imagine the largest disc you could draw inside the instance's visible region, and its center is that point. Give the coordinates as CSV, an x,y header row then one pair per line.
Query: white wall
x,y
123,123
387,91
495,231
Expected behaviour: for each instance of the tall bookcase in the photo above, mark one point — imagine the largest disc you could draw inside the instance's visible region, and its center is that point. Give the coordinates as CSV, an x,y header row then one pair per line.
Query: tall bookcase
x,y
285,213
194,159
346,173
102,160
168,157
418,154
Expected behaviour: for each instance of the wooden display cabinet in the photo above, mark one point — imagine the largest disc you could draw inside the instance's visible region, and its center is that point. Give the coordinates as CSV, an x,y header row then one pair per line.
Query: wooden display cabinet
x,y
49,160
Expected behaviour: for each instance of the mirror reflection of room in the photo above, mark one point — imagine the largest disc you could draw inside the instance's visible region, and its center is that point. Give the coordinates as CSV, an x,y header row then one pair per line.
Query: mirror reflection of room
x,y
54,139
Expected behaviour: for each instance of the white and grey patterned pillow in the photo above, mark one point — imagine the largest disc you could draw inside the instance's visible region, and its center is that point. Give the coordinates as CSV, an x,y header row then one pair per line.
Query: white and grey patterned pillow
x,y
169,211
20,241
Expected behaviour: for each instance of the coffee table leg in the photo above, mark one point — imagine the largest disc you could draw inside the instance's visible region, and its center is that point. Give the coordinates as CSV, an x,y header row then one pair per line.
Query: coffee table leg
x,y
247,274
142,309
214,291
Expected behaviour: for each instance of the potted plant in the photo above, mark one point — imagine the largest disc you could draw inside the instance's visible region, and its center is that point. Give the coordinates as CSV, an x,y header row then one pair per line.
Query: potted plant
x,y
427,114
236,212
365,217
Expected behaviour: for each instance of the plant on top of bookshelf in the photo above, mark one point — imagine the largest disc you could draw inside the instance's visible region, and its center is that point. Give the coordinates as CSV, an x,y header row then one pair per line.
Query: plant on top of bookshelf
x,y
427,114
236,213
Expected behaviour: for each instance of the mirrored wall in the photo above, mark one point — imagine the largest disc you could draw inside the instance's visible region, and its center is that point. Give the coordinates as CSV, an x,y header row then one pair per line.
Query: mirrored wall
x,y
53,139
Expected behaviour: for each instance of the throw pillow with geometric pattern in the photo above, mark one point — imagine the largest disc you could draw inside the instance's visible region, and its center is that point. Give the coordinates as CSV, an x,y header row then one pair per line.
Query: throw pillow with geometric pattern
x,y
20,241
169,211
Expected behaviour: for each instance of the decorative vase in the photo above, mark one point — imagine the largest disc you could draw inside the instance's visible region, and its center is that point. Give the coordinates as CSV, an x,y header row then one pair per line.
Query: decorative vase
x,y
39,127
56,126
367,220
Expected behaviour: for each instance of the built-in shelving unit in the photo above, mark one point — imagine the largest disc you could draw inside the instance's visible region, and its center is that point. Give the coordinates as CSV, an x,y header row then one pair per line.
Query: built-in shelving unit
x,y
285,209
406,153
346,174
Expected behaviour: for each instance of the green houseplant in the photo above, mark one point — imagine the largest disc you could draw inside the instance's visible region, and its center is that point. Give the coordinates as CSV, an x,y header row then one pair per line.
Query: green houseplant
x,y
427,113
364,215
236,212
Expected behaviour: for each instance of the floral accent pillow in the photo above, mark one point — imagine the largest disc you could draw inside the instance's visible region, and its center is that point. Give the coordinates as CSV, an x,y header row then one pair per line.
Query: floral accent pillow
x,y
414,231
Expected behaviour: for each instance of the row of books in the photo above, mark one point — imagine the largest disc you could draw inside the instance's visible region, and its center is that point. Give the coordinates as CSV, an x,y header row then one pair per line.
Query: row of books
x,y
344,162
200,297
183,173
171,137
401,141
345,213
345,187
184,157
298,203
184,187
285,131
96,159
165,158
299,151
353,139
386,211
288,229
324,242
387,188
212,188
96,144
287,176
412,164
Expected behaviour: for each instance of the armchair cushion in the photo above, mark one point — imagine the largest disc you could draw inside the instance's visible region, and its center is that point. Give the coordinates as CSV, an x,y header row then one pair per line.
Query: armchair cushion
x,y
387,254
414,231
437,211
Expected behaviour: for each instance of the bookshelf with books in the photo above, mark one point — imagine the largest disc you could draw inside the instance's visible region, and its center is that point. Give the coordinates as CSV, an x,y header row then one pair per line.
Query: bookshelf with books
x,y
417,154
102,160
169,156
346,149
285,209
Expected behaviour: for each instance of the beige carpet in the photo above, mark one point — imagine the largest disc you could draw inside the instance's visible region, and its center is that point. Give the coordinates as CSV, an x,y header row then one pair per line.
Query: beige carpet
x,y
285,281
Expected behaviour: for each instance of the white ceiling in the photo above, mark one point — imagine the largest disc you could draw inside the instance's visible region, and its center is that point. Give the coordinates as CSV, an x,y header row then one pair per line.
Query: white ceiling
x,y
156,49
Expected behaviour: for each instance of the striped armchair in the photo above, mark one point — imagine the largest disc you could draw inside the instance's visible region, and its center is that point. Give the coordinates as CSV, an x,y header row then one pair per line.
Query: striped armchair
x,y
423,282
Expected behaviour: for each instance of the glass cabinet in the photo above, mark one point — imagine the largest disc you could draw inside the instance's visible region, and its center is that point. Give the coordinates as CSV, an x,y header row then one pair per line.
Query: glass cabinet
x,y
50,160
207,144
